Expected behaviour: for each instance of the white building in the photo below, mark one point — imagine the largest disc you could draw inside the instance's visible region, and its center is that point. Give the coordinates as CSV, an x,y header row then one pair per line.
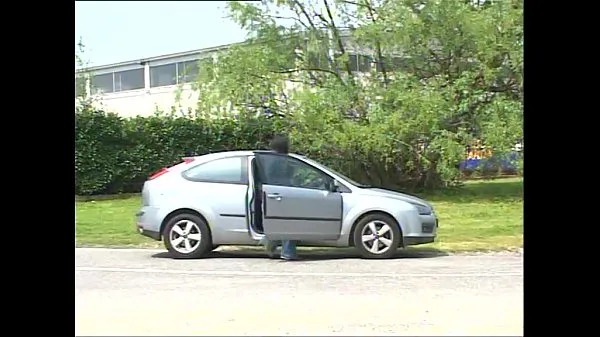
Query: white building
x,y
161,83
141,87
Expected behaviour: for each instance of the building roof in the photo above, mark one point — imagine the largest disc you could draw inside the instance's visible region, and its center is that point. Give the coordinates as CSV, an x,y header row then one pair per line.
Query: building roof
x,y
343,33
161,57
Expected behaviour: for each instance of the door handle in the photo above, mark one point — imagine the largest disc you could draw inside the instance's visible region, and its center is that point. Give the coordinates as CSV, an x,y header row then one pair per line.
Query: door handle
x,y
275,196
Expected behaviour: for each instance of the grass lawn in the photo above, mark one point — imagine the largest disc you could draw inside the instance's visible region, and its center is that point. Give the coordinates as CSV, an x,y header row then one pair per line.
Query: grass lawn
x,y
483,215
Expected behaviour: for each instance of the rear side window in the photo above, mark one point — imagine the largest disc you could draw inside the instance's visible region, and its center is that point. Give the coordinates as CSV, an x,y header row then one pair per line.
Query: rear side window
x,y
231,170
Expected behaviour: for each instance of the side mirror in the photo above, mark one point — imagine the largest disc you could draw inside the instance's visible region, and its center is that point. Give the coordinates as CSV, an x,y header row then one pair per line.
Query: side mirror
x,y
334,186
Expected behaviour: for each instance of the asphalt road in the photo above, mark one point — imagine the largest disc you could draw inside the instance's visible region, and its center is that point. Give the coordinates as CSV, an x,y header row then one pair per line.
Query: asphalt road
x,y
141,292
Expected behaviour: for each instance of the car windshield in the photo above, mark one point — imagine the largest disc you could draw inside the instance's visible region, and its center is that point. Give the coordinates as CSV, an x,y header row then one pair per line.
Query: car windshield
x,y
321,166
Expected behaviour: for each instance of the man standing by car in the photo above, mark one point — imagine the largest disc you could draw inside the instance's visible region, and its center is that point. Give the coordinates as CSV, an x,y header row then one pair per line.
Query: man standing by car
x,y
280,144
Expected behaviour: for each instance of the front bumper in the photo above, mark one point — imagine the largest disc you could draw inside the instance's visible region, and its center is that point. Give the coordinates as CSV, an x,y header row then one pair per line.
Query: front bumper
x,y
426,234
429,224
418,240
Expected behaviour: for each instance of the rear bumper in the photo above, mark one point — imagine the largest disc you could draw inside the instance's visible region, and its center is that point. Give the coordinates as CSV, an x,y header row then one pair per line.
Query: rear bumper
x,y
148,223
150,234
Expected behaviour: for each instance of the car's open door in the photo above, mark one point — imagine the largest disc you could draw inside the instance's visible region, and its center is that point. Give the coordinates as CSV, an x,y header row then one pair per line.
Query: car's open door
x,y
253,195
301,205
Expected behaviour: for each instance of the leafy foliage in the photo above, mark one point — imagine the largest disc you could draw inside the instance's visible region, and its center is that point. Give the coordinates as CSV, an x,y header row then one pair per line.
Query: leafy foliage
x,y
114,155
436,76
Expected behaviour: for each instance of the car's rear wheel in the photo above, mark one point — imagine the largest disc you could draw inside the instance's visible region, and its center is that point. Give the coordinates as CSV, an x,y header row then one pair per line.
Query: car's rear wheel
x,y
186,236
377,236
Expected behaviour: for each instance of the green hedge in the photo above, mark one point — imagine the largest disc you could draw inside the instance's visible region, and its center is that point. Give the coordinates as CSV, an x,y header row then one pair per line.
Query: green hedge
x,y
116,155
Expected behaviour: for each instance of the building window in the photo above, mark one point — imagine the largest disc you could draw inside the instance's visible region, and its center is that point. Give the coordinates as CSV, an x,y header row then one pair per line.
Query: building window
x,y
391,64
360,63
102,83
318,59
353,60
364,63
289,61
187,71
207,66
129,80
382,63
163,75
400,64
80,86
173,73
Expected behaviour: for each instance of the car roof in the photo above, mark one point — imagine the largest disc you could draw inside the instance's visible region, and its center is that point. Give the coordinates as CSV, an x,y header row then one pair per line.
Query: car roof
x,y
226,154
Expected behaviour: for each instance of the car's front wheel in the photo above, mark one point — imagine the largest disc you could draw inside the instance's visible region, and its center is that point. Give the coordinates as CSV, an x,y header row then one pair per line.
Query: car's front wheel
x,y
377,236
186,236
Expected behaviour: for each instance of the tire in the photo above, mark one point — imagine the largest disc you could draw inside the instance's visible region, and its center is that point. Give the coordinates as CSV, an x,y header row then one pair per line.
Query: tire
x,y
392,236
175,243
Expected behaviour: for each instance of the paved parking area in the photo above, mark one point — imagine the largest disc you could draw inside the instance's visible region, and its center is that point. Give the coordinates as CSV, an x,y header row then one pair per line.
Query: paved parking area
x,y
140,292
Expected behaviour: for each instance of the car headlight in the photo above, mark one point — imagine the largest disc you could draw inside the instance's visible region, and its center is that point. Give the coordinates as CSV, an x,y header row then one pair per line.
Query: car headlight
x,y
423,210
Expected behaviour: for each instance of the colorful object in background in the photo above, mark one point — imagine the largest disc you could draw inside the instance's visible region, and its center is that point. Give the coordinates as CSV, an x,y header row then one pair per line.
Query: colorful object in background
x,y
480,157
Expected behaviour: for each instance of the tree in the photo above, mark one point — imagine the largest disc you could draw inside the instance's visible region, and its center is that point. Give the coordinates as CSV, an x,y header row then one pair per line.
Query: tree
x,y
80,64
82,76
434,77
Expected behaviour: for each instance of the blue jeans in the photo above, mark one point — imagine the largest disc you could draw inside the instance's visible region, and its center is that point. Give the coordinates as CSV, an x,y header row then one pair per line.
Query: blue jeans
x,y
288,248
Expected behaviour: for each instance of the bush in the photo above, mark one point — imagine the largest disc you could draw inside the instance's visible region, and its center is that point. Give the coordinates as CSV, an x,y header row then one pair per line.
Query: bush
x,y
116,155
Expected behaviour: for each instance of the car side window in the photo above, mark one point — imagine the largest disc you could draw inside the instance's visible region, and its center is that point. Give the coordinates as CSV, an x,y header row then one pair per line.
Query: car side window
x,y
288,171
227,171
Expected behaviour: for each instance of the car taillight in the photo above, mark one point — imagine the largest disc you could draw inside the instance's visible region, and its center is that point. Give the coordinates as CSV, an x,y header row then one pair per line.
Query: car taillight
x,y
158,173
185,160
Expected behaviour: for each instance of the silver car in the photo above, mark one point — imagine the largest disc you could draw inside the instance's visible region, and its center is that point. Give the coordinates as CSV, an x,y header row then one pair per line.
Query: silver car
x,y
241,197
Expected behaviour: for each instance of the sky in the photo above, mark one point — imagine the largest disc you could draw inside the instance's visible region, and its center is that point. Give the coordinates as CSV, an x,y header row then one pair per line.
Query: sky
x,y
117,31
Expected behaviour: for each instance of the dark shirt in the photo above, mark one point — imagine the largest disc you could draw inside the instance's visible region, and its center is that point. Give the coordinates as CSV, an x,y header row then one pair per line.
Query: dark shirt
x,y
279,171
